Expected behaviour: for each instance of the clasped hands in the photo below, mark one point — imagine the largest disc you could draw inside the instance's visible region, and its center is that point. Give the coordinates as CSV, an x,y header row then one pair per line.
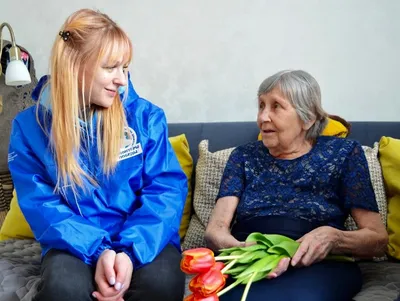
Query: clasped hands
x,y
112,276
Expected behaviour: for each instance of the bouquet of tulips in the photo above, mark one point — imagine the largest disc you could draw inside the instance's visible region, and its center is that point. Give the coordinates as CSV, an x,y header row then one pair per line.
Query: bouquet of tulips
x,y
245,264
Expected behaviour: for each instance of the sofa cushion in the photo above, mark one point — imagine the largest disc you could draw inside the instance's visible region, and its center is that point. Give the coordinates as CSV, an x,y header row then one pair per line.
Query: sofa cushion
x,y
381,281
15,225
389,155
6,188
375,173
19,269
209,170
181,147
336,126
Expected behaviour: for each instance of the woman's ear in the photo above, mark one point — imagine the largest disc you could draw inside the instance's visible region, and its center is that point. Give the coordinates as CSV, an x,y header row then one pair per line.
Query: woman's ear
x,y
308,125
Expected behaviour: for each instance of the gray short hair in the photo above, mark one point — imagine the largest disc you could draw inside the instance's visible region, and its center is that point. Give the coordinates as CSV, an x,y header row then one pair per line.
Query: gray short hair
x,y
304,93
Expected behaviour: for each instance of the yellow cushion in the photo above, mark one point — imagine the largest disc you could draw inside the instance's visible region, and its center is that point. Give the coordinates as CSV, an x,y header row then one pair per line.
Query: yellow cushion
x,y
389,157
181,148
15,225
333,128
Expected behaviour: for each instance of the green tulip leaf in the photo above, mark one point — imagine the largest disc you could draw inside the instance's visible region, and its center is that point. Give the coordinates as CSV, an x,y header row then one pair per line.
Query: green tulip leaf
x,y
259,238
238,252
223,254
258,266
272,264
252,256
254,247
229,250
277,239
259,276
287,248
237,269
232,252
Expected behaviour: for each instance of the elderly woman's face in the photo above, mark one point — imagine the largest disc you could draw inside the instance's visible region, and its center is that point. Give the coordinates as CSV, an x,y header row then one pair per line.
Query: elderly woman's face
x,y
278,121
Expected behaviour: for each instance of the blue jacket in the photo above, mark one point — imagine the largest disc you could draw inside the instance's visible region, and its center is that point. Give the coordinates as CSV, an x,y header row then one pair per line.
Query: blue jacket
x,y
137,209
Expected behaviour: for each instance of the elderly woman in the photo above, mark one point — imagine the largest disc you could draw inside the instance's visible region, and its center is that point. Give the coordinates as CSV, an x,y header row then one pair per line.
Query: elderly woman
x,y
300,184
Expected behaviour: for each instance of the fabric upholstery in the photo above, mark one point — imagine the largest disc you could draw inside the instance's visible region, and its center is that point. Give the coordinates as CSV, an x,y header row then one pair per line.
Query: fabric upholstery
x,y
209,169
389,155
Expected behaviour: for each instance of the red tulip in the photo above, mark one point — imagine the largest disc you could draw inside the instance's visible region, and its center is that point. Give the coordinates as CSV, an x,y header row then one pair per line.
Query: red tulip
x,y
199,298
208,283
197,260
189,298
219,265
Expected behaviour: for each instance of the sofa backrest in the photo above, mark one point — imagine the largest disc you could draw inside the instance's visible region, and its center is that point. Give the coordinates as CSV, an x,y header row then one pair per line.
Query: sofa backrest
x,y
223,135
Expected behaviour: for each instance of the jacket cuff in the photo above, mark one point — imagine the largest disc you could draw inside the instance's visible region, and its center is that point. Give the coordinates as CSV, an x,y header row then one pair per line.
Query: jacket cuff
x,y
98,252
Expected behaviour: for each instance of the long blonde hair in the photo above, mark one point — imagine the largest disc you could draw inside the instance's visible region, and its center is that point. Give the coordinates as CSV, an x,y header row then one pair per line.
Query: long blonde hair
x,y
91,37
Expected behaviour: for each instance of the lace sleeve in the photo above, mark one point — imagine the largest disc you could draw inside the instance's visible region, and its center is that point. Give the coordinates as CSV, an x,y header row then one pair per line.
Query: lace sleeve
x,y
357,190
232,182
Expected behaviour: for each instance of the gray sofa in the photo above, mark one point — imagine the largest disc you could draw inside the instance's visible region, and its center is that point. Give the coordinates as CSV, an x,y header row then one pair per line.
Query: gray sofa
x,y
20,259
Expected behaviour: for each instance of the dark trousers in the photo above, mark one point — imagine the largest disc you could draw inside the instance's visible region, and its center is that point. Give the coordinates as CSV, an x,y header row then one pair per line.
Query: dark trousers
x,y
65,277
323,281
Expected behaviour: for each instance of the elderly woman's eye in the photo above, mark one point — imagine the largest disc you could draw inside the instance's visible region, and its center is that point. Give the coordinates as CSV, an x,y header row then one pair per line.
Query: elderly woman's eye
x,y
277,105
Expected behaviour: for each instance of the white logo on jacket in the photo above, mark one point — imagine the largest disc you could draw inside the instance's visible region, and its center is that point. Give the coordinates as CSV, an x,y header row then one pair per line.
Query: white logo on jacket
x,y
12,156
130,146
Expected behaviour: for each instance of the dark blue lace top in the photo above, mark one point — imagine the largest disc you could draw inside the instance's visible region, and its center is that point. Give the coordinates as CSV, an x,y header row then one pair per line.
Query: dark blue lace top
x,y
320,186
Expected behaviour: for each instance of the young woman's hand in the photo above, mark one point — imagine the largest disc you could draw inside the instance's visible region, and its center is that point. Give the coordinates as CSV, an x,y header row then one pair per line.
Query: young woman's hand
x,y
105,277
123,268
119,278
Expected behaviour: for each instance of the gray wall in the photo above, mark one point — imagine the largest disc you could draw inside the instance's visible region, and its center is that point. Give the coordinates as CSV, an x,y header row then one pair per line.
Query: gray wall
x,y
203,60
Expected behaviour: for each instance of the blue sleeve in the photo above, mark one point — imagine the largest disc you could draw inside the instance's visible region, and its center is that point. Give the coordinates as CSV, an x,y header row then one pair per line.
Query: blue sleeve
x,y
356,186
232,182
54,224
156,222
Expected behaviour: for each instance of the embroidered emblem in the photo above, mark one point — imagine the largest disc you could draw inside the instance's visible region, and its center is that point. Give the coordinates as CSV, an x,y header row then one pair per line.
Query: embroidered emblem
x,y
130,146
12,156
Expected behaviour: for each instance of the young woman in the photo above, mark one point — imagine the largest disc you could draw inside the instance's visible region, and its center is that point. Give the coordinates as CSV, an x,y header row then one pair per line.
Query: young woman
x,y
95,175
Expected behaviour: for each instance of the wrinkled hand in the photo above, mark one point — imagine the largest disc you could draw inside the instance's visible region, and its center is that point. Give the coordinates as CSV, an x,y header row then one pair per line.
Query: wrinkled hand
x,y
315,246
113,276
223,240
281,268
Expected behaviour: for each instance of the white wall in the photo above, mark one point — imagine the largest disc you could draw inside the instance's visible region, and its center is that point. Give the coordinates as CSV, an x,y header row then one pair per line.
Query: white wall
x,y
202,60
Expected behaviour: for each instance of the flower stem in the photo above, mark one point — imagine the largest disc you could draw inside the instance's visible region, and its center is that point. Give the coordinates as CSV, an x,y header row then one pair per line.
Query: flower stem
x,y
247,288
228,266
217,258
226,289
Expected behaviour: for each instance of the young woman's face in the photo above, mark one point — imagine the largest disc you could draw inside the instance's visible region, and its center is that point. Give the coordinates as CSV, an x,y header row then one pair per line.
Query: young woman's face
x,y
107,78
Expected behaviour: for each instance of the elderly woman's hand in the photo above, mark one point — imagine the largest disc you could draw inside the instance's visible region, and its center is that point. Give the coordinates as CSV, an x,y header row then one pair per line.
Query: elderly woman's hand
x,y
315,246
222,239
281,268
218,235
